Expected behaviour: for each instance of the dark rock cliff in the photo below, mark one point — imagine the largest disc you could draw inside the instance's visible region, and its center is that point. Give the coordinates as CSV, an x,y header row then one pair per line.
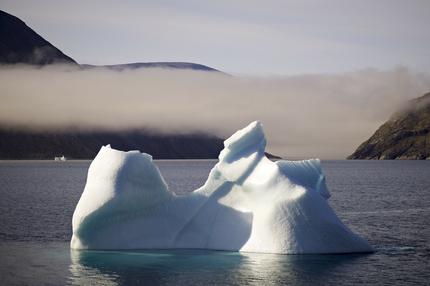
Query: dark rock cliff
x,y
406,135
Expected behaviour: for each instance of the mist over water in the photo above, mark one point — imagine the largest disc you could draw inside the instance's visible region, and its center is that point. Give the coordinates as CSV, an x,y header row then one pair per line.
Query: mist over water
x,y
319,115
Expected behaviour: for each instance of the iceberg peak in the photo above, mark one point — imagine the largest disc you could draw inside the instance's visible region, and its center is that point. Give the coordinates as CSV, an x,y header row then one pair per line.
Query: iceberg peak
x,y
252,136
242,151
248,203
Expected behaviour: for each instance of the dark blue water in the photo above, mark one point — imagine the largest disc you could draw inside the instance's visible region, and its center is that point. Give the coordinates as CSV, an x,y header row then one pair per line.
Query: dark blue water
x,y
387,202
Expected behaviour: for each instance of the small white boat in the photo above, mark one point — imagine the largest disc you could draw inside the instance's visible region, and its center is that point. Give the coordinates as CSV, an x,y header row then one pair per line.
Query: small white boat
x,y
60,159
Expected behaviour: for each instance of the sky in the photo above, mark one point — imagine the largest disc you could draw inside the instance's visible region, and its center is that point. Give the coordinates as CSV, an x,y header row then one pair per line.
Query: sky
x,y
239,37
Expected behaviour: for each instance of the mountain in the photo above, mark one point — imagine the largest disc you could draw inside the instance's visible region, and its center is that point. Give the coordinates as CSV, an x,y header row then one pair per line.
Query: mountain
x,y
20,44
406,135
30,144
168,65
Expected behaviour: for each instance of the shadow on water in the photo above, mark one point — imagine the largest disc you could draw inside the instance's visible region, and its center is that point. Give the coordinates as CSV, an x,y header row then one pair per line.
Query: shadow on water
x,y
197,267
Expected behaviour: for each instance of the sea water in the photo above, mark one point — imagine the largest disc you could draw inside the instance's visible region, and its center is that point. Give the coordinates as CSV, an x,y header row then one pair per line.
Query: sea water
x,y
387,202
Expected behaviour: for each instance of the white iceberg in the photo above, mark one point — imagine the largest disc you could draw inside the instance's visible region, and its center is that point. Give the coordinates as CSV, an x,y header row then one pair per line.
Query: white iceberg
x,y
248,203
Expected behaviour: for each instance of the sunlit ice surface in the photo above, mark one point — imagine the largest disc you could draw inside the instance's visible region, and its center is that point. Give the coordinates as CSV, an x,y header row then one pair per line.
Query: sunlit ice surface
x,y
248,203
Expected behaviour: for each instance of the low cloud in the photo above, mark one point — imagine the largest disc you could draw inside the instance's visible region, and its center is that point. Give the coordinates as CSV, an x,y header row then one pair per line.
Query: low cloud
x,y
321,115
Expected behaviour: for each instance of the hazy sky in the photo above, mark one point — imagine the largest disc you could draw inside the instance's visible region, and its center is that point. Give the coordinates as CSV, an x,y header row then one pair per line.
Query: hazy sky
x,y
247,37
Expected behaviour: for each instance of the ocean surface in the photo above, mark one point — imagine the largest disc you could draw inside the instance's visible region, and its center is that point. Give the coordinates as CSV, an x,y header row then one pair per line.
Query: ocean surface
x,y
386,202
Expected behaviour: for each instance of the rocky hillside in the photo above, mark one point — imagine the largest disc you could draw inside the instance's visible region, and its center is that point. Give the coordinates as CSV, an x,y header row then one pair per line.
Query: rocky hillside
x,y
406,135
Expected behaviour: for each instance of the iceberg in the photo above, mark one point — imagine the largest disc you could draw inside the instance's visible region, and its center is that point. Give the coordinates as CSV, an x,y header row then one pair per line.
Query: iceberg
x,y
248,203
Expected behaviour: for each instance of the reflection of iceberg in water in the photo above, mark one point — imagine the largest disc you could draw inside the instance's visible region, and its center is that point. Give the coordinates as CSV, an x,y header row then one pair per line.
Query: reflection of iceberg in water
x,y
88,272
248,203
199,267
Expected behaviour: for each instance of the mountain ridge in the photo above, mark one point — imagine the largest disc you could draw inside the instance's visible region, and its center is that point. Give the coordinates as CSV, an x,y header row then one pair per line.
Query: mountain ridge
x,y
166,65
19,44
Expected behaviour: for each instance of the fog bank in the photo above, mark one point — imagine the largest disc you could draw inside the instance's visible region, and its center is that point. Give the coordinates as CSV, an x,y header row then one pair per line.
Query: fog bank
x,y
320,115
